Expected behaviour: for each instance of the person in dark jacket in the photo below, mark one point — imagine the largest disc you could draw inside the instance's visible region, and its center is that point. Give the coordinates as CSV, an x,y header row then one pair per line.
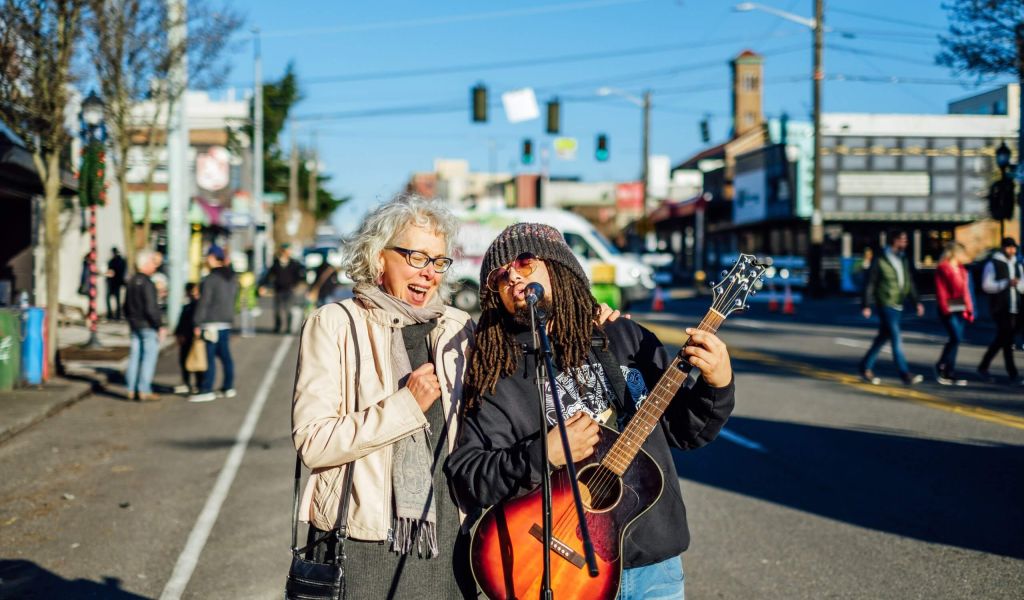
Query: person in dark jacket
x,y
144,320
499,453
184,333
888,287
117,268
1003,281
283,276
214,316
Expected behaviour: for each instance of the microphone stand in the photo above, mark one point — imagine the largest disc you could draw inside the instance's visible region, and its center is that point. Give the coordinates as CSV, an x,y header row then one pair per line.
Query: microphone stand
x,y
541,343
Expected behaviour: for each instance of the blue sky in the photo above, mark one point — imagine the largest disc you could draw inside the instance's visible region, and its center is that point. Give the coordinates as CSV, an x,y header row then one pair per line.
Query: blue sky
x,y
679,49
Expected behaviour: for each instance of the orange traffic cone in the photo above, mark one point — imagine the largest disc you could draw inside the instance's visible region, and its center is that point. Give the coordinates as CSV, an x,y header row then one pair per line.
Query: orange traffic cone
x,y
658,303
788,308
773,300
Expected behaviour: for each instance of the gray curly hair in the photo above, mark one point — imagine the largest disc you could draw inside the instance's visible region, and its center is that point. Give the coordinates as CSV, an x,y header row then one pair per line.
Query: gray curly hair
x,y
380,227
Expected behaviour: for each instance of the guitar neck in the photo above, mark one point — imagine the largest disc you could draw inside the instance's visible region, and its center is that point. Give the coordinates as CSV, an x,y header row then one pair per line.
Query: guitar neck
x,y
621,455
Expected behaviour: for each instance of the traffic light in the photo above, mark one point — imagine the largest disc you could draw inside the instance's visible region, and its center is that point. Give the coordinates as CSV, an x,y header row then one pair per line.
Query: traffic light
x,y
1000,199
553,116
527,155
478,103
601,152
705,131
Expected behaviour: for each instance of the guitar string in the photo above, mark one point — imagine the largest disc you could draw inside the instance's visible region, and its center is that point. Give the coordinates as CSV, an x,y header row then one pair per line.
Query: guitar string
x,y
606,479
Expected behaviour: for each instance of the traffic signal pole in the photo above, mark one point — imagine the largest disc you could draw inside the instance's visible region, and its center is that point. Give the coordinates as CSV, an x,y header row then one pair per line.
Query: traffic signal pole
x,y
817,233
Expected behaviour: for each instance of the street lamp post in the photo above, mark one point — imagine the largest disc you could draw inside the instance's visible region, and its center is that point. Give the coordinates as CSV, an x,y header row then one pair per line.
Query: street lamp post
x,y
645,104
817,230
91,191
1003,162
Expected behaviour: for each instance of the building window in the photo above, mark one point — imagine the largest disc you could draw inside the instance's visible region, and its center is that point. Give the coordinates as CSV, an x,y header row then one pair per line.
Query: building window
x,y
749,82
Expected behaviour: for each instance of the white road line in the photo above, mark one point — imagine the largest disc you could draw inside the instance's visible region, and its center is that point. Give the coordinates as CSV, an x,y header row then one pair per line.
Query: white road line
x,y
861,344
750,324
204,524
742,441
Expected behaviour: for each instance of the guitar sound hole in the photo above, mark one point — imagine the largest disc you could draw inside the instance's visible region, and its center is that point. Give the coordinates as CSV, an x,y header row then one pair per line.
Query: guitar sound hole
x,y
600,488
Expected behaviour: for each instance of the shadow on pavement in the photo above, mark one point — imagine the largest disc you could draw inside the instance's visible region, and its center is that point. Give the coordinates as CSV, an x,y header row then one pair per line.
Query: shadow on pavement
x,y
963,495
26,580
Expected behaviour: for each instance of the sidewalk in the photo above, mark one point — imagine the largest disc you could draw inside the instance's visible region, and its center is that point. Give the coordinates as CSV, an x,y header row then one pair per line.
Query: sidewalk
x,y
84,372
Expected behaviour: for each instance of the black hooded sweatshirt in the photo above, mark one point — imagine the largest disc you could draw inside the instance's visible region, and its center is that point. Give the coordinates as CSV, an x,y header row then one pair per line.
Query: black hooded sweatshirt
x,y
499,451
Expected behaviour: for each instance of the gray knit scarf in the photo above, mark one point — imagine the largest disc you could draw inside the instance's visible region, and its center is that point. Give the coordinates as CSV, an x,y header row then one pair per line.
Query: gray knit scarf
x,y
415,519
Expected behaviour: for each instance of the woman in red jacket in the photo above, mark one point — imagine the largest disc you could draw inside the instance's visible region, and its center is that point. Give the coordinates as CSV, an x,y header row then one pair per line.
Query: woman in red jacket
x,y
953,296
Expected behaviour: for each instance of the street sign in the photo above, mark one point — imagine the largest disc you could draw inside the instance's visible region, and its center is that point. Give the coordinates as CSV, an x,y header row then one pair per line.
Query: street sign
x,y
565,148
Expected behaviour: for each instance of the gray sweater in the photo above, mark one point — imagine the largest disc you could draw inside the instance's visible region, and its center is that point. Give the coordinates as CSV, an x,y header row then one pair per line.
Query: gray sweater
x,y
217,298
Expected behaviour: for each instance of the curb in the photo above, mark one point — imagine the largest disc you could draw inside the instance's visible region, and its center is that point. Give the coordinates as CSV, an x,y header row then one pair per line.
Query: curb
x,y
43,408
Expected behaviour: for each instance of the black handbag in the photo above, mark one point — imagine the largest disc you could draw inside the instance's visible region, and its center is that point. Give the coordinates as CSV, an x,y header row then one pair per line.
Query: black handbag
x,y
307,579
310,580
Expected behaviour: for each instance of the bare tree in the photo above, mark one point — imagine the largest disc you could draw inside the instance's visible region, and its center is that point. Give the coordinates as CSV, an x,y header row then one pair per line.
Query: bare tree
x,y
38,40
132,57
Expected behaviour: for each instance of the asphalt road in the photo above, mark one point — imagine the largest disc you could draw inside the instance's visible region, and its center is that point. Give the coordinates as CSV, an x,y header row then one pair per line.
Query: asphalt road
x,y
820,488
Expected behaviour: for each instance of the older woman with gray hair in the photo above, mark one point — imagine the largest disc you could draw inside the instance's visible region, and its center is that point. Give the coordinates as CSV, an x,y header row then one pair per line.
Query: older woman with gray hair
x,y
378,399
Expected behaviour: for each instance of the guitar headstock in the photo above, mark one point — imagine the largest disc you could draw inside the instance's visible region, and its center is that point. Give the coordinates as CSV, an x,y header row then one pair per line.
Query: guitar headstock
x,y
736,285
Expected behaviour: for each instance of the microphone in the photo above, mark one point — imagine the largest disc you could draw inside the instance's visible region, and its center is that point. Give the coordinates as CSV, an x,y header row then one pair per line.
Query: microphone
x,y
534,293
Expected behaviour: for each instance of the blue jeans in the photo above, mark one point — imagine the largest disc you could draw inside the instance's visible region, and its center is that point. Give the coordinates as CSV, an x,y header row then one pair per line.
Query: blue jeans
x,y
661,581
144,348
888,330
954,325
219,349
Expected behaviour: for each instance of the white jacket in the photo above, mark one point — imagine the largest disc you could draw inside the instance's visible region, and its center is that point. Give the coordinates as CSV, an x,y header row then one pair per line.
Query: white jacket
x,y
339,420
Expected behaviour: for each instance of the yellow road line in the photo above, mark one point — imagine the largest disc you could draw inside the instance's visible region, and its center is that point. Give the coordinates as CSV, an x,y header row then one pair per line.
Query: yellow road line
x,y
676,336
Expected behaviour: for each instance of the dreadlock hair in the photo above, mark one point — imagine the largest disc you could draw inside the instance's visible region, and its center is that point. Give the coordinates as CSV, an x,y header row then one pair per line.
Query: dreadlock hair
x,y
497,353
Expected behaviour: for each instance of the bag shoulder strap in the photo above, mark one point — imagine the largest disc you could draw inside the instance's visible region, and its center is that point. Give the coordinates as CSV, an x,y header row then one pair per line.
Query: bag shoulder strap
x,y
346,492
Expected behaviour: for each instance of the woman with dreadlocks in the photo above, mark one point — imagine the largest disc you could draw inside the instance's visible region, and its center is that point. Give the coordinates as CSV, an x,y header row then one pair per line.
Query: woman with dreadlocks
x,y
377,398
499,454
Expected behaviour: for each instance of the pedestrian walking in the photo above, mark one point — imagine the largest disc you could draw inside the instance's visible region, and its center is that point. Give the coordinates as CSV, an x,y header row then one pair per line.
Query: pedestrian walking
x,y
214,316
378,399
185,335
609,368
283,277
144,321
1003,281
956,308
888,287
117,269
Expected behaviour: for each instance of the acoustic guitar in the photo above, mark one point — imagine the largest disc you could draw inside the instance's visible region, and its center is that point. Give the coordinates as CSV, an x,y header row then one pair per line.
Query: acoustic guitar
x,y
618,483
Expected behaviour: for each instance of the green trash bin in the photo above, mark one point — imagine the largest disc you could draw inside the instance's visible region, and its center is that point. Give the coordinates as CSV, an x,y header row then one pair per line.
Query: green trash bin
x,y
10,348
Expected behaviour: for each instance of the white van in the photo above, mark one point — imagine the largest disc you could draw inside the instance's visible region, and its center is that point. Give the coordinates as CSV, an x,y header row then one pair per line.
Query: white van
x,y
480,228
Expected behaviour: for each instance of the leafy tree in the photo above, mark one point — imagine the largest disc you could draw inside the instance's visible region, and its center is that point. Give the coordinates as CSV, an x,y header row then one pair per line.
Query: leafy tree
x,y
985,37
38,39
279,97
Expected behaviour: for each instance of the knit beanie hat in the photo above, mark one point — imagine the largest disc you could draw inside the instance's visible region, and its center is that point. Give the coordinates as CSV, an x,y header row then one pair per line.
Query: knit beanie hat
x,y
544,241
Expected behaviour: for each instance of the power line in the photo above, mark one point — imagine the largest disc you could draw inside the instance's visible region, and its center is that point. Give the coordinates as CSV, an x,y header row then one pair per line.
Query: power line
x,y
428,21
875,17
512,64
862,52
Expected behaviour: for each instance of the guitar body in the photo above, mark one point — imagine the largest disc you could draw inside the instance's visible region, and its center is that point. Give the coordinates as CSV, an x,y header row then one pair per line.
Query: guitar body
x,y
506,548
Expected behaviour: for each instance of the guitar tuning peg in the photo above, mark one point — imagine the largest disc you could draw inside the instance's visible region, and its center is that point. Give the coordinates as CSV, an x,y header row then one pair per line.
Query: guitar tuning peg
x,y
739,303
724,273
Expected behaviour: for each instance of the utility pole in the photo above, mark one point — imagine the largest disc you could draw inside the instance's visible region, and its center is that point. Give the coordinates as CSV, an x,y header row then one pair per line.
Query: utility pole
x,y
646,149
311,167
817,233
259,229
1019,31
178,187
293,175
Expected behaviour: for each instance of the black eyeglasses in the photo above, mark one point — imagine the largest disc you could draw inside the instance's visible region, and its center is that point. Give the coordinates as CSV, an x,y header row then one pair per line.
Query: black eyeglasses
x,y
420,260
